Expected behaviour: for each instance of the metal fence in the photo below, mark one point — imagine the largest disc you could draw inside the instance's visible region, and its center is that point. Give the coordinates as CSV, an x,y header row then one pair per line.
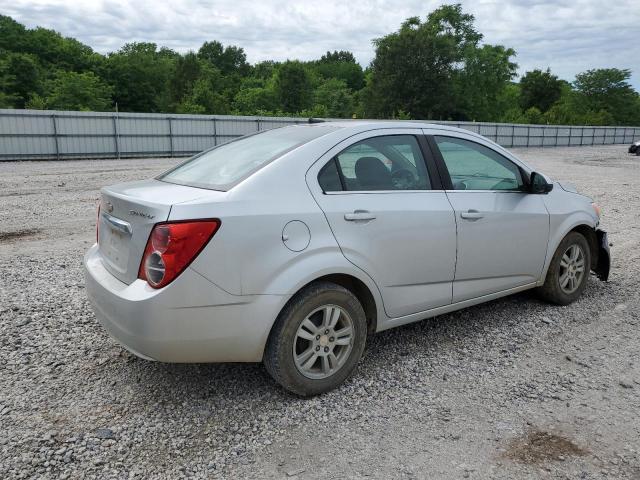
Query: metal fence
x,y
44,134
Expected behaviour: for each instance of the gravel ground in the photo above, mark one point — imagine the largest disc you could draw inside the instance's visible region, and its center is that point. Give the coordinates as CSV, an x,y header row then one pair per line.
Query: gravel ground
x,y
511,389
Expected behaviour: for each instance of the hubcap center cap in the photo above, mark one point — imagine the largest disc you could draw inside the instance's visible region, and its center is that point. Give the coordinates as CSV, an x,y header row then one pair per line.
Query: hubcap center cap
x,y
324,340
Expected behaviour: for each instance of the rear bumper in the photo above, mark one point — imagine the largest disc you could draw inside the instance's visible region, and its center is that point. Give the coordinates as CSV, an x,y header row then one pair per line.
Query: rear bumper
x,y
604,256
190,320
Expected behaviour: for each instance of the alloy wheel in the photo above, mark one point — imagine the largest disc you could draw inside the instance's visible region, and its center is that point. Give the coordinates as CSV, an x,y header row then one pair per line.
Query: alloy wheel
x,y
323,342
572,269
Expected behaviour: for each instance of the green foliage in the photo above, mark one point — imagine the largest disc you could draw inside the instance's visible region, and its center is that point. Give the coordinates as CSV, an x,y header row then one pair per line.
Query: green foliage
x,y
336,98
533,116
255,99
36,102
483,82
20,77
437,68
607,90
78,91
292,87
412,71
401,115
139,75
342,66
539,89
186,72
13,35
207,94
264,70
228,59
341,56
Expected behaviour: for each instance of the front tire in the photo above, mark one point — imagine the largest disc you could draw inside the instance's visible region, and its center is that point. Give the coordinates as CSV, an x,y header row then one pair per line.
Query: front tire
x,y
317,340
568,271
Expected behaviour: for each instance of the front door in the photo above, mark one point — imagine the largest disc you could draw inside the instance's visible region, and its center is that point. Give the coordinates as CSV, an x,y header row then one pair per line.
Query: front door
x,y
390,217
502,230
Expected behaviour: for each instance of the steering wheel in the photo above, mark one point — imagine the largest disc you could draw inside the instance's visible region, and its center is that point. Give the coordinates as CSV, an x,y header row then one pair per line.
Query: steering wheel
x,y
403,179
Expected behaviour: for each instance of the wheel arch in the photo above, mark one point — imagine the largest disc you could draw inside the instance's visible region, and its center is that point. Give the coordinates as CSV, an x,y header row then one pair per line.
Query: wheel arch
x,y
584,225
362,293
355,285
589,233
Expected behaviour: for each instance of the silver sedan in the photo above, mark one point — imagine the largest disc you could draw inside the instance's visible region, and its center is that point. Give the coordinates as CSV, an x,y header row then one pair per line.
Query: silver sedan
x,y
290,246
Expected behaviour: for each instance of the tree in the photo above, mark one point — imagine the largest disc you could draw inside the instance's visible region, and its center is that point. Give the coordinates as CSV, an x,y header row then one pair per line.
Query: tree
x,y
228,60
253,99
12,35
342,66
78,91
568,109
539,89
139,75
55,51
436,68
341,56
264,70
482,82
186,72
335,97
607,89
20,78
533,116
292,87
414,68
207,94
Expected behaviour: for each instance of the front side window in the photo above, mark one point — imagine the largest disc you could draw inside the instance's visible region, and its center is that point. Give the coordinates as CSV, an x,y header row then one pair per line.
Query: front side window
x,y
475,167
392,162
223,166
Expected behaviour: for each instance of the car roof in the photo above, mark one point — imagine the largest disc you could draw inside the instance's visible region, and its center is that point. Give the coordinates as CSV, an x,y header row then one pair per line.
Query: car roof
x,y
353,127
364,125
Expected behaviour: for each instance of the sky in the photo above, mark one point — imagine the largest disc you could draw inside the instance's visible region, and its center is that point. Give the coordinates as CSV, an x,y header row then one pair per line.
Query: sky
x,y
568,36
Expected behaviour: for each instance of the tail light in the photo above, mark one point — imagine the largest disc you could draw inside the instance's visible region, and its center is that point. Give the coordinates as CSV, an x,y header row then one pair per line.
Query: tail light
x,y
172,247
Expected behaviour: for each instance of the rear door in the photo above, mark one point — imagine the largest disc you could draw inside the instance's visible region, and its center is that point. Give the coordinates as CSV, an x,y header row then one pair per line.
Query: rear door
x,y
503,230
390,216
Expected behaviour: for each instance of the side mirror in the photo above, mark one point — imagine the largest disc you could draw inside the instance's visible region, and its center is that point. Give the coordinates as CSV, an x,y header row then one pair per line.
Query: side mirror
x,y
538,184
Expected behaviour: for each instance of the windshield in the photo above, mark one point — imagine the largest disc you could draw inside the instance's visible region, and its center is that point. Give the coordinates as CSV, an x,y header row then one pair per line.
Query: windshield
x,y
223,166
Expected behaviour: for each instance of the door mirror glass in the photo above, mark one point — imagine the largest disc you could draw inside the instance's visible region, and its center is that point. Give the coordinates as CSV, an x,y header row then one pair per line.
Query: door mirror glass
x,y
539,184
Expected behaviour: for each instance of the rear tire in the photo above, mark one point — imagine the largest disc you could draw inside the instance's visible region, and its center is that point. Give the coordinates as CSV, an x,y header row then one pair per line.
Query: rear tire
x,y
568,271
317,340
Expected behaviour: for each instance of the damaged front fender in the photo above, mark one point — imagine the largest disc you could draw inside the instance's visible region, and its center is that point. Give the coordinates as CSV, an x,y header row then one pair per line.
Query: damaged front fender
x,y
603,265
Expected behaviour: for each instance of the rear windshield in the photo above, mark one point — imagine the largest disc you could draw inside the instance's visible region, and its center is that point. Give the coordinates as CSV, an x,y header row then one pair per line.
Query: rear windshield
x,y
223,166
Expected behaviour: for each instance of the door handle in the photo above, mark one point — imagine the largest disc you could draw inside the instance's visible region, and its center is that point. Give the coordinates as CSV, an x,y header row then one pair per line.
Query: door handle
x,y
359,216
471,214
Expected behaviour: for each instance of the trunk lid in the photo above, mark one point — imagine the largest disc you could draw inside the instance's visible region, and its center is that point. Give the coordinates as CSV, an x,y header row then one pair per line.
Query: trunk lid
x,y
128,212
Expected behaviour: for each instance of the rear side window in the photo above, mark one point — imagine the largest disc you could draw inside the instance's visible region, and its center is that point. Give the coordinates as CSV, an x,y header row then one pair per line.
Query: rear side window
x,y
226,165
392,162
